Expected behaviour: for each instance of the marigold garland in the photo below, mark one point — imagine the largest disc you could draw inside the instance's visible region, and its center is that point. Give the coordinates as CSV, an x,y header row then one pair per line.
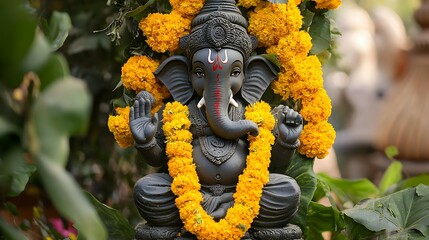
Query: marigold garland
x,y
119,125
186,185
301,75
282,18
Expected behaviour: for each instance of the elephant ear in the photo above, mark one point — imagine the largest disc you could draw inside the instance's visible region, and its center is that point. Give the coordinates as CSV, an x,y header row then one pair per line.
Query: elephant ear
x,y
259,74
174,73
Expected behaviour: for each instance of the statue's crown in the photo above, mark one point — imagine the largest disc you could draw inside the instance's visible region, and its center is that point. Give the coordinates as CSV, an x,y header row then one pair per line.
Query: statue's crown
x,y
219,24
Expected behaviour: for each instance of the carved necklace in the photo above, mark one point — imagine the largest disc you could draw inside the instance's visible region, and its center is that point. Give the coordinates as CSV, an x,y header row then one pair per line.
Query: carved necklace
x,y
186,184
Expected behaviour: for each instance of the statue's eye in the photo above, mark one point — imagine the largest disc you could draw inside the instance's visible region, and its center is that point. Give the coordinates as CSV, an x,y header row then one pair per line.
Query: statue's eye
x,y
199,72
235,72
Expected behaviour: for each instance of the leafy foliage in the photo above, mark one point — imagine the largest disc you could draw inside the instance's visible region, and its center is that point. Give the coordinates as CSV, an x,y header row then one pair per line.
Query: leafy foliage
x,y
401,215
301,169
117,226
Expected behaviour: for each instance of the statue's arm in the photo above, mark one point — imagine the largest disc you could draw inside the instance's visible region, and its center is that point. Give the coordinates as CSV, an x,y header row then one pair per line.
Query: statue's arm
x,y
287,131
144,128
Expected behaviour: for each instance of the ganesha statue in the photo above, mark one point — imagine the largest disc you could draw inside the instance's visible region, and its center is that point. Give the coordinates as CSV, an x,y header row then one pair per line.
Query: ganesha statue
x,y
216,79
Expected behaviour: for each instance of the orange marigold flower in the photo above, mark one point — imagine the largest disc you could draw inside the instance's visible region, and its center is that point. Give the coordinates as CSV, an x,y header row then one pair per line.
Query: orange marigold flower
x,y
137,75
308,78
187,8
327,4
316,139
293,47
163,31
272,21
248,3
120,127
316,108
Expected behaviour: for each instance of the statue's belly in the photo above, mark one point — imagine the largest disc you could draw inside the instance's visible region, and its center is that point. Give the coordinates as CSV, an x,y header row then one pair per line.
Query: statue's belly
x,y
226,173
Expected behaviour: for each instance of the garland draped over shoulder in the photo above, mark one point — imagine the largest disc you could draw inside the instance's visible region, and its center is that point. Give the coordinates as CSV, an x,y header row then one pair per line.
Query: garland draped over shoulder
x,y
186,185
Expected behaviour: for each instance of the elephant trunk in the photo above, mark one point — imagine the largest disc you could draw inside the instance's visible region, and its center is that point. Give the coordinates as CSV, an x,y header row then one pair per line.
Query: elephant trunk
x,y
217,99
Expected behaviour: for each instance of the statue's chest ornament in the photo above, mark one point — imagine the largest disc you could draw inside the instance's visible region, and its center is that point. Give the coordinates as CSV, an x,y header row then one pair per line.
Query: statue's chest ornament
x,y
215,149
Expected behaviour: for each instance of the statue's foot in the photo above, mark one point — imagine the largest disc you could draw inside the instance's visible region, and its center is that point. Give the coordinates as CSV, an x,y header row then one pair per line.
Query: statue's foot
x,y
145,232
290,232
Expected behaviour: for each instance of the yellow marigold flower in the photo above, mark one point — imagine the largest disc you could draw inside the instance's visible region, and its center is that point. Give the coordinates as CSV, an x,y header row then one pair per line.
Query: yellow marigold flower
x,y
248,3
163,31
316,139
317,108
187,8
179,149
260,114
308,78
137,75
119,126
327,4
293,47
273,21
281,85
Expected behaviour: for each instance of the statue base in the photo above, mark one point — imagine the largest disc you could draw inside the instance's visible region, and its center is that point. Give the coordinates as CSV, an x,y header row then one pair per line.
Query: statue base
x,y
145,232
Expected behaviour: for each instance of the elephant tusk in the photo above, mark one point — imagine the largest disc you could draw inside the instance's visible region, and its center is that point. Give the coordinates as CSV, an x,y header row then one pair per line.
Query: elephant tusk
x,y
210,56
201,103
232,101
226,57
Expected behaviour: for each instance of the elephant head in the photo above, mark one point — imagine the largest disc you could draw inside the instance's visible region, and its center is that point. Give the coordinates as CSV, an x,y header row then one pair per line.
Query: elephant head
x,y
215,77
218,67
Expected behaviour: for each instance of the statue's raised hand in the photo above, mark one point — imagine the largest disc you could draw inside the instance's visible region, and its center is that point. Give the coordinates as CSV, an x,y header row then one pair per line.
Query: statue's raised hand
x,y
143,126
289,125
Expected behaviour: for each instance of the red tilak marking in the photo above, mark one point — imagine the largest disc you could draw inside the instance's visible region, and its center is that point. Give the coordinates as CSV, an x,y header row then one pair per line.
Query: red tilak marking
x,y
217,97
217,63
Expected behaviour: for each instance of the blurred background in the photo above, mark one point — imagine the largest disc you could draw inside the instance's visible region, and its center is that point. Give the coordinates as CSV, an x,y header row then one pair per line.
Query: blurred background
x,y
365,74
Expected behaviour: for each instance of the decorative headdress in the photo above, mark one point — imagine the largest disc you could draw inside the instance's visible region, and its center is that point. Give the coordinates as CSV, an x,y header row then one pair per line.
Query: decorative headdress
x,y
219,24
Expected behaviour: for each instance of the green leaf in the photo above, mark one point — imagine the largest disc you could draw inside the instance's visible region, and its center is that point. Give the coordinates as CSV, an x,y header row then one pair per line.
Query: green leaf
x,y
350,190
356,231
14,172
139,10
118,85
18,27
58,29
391,152
11,208
10,232
37,55
55,68
320,32
117,226
301,169
323,219
61,110
414,181
402,215
69,200
391,177
307,19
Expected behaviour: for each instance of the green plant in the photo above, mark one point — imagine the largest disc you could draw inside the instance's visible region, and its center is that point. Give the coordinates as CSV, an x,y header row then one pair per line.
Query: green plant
x,y
396,209
42,106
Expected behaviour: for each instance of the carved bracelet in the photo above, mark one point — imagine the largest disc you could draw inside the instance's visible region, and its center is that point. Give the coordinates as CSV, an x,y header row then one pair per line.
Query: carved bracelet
x,y
289,146
146,146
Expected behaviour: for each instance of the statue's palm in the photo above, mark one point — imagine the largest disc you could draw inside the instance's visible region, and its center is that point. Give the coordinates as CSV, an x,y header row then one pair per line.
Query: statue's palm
x,y
142,125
